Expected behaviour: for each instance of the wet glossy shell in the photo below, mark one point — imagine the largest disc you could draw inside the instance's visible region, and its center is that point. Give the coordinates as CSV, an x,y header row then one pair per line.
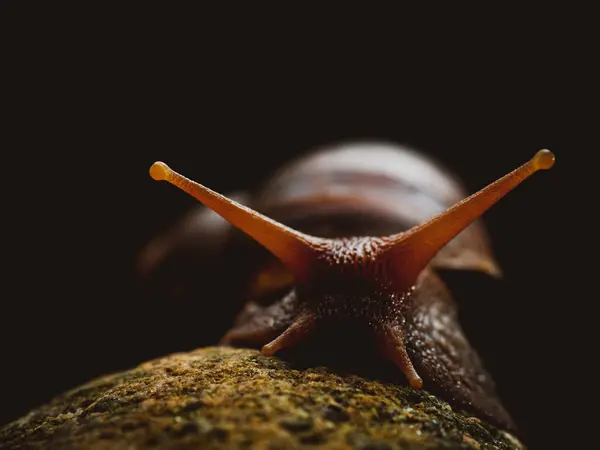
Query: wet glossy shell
x,y
372,189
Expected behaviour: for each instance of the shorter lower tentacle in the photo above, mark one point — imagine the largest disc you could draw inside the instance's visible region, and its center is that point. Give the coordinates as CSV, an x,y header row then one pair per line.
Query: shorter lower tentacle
x,y
295,333
257,325
392,346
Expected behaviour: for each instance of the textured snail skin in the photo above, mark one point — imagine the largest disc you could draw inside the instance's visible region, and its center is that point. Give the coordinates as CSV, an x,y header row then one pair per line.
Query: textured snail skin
x,y
361,230
422,321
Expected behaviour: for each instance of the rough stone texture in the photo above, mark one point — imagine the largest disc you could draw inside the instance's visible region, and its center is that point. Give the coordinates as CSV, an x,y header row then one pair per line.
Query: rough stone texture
x,y
223,398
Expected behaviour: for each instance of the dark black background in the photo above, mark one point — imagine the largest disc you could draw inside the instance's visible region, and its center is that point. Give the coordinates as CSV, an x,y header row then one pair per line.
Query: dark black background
x,y
95,94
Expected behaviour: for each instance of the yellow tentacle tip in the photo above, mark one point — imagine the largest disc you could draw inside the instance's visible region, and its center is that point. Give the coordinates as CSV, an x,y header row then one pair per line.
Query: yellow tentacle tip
x,y
416,382
268,350
544,159
159,171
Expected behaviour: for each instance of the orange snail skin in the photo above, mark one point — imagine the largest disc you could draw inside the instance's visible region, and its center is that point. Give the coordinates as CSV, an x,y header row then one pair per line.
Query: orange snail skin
x,y
387,283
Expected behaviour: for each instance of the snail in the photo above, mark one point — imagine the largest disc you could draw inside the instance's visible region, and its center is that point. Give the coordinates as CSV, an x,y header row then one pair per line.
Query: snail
x,y
356,234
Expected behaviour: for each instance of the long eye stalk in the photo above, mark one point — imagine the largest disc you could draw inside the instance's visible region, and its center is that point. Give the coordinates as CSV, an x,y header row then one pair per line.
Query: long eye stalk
x,y
292,247
411,251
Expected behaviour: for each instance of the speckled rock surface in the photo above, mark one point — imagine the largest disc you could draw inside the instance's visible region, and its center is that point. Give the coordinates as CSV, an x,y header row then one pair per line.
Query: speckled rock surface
x,y
223,398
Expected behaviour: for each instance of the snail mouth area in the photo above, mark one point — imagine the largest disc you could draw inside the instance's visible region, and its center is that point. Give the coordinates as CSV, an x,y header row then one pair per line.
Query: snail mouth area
x,y
346,346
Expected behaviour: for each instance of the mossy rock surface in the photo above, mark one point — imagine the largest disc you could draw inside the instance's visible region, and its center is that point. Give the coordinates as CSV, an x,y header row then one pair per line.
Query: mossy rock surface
x,y
223,398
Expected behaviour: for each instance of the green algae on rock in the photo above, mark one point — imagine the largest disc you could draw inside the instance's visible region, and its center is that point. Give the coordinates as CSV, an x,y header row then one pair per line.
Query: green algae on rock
x,y
224,398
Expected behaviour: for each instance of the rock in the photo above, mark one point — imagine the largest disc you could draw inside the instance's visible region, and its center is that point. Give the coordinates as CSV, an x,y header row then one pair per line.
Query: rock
x,y
223,398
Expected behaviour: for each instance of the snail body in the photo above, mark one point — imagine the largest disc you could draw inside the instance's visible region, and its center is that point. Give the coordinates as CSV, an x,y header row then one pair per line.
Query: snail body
x,y
357,233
